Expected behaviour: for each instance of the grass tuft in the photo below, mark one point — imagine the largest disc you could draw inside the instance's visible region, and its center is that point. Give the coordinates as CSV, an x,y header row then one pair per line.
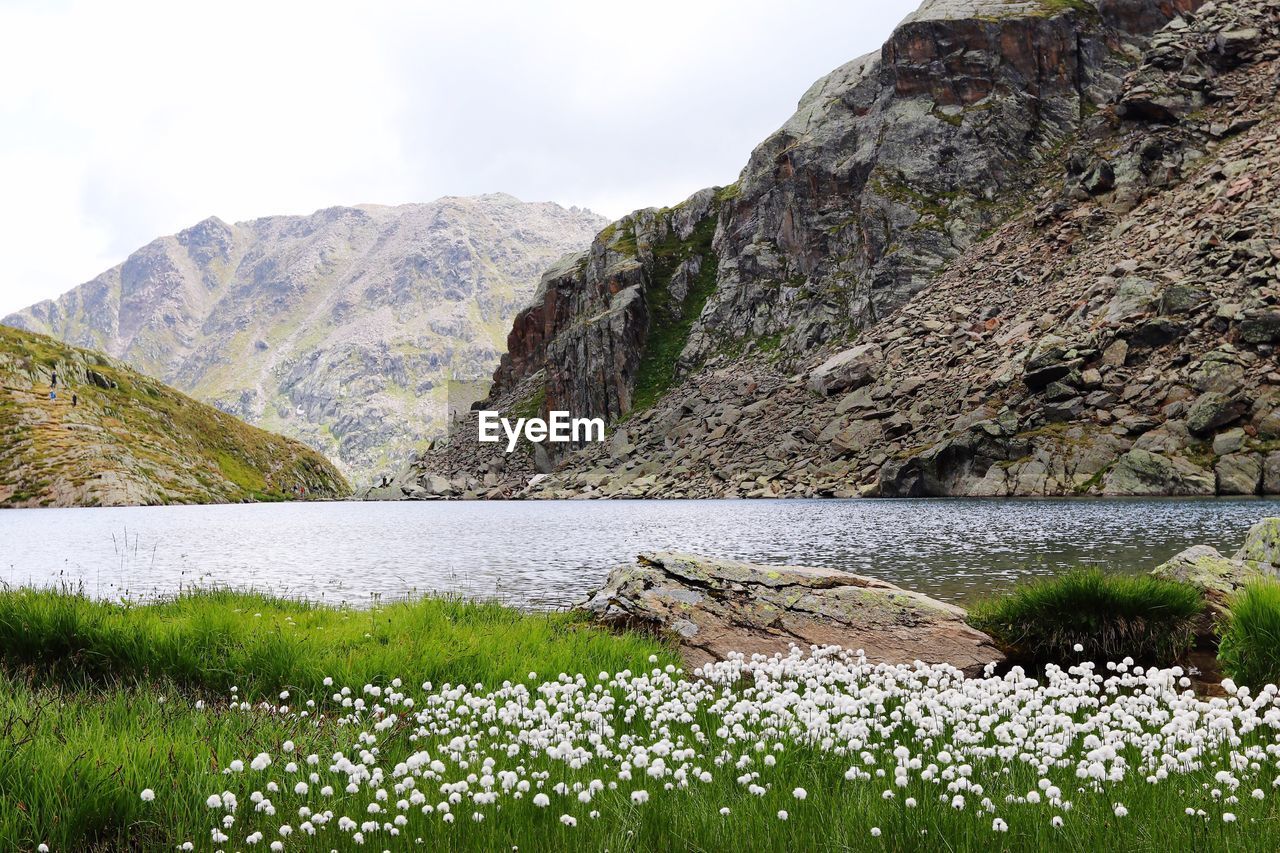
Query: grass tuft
x,y
1250,647
1110,616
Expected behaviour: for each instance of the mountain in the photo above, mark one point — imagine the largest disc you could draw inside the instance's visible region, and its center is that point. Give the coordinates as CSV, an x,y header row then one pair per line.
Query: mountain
x,y
1027,248
341,329
126,439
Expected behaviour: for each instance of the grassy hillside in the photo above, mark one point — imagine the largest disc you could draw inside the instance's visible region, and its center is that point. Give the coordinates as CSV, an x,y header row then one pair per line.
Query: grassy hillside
x,y
129,439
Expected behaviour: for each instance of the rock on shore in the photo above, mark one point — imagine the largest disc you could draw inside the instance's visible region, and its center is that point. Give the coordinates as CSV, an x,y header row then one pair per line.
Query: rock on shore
x,y
714,607
1219,577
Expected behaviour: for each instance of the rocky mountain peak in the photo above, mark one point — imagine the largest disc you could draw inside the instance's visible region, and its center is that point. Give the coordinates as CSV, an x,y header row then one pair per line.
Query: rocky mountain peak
x,y
1023,249
341,328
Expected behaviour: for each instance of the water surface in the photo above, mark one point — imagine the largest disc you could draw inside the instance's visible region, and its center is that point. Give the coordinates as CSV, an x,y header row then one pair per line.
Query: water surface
x,y
551,553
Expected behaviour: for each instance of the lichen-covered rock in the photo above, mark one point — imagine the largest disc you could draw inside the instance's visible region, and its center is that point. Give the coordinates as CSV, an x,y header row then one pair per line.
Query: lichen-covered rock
x,y
1141,472
1261,548
713,607
1220,577
1216,576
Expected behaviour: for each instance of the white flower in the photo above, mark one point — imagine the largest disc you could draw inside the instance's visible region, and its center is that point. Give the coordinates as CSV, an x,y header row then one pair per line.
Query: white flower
x,y
261,761
1056,822
147,795
1120,810
1078,647
875,832
541,800
799,793
782,814
1228,817
724,810
568,820
214,801
639,797
999,825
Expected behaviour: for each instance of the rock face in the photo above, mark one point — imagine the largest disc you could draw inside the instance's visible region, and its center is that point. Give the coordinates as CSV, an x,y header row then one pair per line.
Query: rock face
x,y
714,607
341,329
1102,324
127,439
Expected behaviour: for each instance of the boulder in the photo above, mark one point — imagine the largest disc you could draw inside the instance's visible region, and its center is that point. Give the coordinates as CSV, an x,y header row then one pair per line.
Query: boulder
x,y
1219,577
1141,472
712,607
1261,549
846,371
1239,474
1212,410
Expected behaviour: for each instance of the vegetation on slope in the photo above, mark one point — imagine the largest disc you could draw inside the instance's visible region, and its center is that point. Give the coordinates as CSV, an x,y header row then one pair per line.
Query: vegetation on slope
x,y
671,319
129,439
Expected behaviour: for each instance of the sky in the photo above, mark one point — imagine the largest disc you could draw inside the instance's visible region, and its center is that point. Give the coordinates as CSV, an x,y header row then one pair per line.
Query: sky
x,y
121,122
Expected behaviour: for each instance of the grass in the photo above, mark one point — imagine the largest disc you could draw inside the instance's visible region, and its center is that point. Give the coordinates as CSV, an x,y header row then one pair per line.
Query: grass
x,y
97,700
1109,616
100,701
211,641
1249,650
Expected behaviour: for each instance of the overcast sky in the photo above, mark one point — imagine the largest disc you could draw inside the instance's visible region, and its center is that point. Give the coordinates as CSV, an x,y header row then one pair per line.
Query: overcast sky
x,y
124,121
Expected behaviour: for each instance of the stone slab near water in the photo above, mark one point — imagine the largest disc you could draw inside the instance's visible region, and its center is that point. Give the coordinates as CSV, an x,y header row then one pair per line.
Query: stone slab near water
x,y
714,607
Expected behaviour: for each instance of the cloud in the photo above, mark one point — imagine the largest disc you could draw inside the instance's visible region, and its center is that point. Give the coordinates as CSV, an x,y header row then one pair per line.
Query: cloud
x,y
121,122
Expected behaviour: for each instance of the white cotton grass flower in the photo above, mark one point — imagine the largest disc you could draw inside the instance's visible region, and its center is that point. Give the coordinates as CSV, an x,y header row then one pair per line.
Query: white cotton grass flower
x,y
147,795
875,832
411,759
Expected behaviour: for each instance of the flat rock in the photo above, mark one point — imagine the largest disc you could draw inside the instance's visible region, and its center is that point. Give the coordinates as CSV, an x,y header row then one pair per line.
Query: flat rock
x,y
713,607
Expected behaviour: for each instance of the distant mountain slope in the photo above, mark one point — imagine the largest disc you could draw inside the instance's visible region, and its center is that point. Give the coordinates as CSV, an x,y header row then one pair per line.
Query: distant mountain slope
x,y
128,439
340,328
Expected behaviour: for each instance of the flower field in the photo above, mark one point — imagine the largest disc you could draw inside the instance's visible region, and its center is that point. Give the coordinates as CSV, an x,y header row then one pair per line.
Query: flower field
x,y
817,750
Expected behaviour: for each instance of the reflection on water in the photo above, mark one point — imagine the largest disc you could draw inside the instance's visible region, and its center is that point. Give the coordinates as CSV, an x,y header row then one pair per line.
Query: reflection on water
x,y
549,554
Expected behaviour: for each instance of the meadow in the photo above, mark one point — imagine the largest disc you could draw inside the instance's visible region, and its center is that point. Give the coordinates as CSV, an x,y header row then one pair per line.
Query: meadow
x,y
222,721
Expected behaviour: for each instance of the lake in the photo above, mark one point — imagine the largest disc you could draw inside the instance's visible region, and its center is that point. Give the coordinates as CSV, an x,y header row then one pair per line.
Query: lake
x,y
551,553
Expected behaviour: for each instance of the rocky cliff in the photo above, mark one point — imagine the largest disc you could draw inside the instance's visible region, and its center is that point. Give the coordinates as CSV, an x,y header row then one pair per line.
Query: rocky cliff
x,y
341,328
1027,248
124,439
